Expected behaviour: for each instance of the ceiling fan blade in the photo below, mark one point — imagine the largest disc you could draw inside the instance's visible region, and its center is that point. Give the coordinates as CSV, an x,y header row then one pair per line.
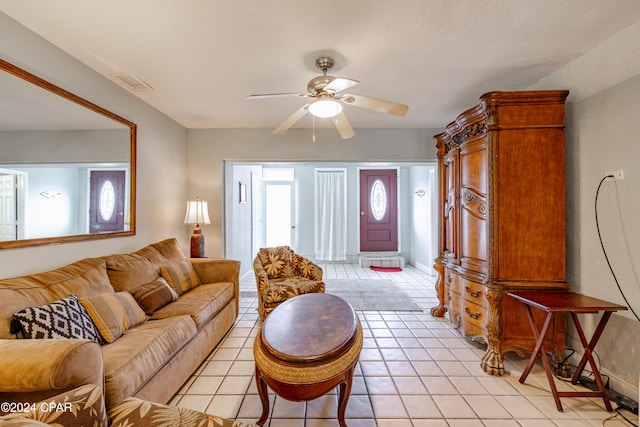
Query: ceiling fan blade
x,y
340,84
376,104
343,126
275,95
289,121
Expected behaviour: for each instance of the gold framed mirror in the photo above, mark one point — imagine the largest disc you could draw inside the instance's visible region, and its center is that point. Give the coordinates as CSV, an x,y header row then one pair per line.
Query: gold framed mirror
x,y
67,165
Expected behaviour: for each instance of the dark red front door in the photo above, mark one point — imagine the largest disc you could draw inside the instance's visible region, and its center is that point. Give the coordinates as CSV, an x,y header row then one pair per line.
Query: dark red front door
x,y
378,210
106,204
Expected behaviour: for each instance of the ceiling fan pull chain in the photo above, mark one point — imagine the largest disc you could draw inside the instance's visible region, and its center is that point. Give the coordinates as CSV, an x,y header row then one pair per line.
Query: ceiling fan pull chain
x,y
313,120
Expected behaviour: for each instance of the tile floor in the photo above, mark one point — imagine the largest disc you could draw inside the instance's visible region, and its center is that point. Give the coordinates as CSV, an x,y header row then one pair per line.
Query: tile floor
x,y
414,370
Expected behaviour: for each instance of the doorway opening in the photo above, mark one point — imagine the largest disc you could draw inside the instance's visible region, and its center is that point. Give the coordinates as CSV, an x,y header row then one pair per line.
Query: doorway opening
x,y
246,224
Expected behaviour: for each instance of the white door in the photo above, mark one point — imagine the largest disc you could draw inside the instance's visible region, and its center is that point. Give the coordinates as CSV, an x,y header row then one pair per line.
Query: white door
x,y
278,208
7,207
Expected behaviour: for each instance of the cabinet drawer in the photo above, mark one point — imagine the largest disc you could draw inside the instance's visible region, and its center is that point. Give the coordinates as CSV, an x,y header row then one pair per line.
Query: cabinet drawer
x,y
474,314
452,280
474,292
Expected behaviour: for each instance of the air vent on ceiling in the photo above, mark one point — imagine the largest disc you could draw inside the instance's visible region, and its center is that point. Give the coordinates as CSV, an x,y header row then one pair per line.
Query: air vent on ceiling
x,y
133,82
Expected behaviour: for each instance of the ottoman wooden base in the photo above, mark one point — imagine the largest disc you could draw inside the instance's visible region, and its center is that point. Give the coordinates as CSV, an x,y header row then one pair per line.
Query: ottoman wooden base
x,y
308,346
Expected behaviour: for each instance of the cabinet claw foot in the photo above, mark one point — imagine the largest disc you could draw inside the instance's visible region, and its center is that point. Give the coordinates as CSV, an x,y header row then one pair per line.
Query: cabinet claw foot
x,y
438,311
492,363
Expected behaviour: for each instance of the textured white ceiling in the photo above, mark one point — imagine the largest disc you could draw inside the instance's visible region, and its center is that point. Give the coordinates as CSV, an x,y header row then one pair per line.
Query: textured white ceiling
x,y
203,57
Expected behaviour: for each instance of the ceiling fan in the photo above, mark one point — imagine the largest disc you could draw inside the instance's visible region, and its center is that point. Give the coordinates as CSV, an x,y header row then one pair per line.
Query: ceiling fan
x,y
328,97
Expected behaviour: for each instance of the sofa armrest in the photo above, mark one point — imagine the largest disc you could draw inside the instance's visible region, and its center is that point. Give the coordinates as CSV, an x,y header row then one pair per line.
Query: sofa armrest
x,y
219,270
37,365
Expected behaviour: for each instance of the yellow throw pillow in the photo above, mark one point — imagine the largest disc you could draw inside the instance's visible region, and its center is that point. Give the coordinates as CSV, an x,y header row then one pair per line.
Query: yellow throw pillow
x,y
181,276
113,314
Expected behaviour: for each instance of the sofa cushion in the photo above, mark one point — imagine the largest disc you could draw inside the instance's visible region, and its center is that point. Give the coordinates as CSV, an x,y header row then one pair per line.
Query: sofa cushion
x,y
113,314
180,276
164,252
154,295
201,303
65,318
280,290
276,261
131,360
127,272
84,277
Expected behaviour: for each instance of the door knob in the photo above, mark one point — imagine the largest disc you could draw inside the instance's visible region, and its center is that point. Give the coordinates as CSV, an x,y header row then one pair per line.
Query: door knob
x,y
363,213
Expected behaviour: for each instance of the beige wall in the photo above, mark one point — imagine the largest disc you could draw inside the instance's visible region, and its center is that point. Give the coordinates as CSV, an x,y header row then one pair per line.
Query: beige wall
x,y
603,134
162,158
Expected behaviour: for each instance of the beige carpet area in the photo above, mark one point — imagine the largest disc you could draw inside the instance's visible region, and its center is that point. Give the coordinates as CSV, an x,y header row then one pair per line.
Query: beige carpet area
x,y
371,294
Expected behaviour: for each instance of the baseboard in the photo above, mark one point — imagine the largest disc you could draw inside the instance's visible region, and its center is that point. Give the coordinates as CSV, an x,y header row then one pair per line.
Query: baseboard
x,y
614,382
425,268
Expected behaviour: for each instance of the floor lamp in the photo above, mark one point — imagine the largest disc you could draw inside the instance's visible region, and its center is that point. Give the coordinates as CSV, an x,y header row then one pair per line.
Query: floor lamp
x,y
197,213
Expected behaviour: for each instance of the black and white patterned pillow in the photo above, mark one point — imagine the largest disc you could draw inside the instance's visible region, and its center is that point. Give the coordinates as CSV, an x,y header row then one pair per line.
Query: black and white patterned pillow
x,y
65,318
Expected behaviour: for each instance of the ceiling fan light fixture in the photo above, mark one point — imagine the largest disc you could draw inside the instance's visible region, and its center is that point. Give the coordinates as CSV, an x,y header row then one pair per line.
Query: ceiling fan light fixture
x,y
325,108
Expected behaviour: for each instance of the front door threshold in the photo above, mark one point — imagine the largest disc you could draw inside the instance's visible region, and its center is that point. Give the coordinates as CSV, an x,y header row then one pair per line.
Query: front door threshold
x,y
381,259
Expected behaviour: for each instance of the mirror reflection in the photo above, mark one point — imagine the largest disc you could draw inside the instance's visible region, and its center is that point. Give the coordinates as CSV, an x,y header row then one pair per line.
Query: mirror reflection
x,y
67,166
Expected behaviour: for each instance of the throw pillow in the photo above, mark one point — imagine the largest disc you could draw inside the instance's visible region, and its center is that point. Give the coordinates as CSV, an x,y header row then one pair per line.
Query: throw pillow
x,y
154,295
65,318
181,276
128,272
113,313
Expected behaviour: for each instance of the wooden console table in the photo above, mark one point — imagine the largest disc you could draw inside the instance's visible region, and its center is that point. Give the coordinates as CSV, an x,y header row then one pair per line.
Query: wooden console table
x,y
574,304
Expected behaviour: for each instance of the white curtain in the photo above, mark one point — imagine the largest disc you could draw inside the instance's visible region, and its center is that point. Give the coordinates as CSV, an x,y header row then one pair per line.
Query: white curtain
x,y
331,215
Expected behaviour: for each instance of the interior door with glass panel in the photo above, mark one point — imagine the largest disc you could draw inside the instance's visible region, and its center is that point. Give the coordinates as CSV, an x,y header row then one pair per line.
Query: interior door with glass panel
x,y
278,206
106,201
378,210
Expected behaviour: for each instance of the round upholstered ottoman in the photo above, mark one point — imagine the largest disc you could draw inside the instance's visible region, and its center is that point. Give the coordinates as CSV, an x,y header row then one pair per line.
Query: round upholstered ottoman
x,y
307,346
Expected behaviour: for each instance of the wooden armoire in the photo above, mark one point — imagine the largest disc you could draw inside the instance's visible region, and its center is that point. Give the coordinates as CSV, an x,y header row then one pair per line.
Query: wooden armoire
x,y
501,172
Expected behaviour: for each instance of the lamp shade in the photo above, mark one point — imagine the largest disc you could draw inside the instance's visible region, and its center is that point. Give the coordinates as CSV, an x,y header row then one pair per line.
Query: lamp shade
x,y
325,108
197,212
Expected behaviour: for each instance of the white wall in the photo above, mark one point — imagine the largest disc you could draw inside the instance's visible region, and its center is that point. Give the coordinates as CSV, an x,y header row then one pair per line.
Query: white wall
x,y
603,134
161,162
423,242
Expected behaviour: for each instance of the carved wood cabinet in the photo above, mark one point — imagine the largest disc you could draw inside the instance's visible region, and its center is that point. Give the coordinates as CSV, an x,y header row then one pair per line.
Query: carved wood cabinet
x,y
502,219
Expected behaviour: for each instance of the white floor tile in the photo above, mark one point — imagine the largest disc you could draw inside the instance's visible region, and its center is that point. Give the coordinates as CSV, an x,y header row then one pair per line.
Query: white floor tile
x,y
415,370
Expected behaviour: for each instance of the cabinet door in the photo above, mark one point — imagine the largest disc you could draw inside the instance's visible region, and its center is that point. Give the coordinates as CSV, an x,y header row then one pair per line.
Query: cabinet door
x,y
473,206
449,203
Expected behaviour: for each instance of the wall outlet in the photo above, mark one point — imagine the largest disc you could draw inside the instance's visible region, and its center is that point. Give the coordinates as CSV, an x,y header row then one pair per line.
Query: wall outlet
x,y
618,175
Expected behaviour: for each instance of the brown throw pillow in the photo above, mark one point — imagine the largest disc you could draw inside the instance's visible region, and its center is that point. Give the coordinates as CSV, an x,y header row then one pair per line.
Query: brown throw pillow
x,y
113,314
181,276
154,295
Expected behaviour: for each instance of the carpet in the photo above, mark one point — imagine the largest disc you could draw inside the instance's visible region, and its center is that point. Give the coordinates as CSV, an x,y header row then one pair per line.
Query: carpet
x,y
385,269
371,294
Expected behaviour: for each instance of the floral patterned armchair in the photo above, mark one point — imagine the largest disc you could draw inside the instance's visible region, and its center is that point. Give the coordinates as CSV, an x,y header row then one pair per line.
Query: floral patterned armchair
x,y
282,274
84,407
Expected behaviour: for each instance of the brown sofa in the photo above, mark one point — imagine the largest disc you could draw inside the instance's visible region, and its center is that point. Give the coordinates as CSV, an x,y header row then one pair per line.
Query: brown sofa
x,y
155,353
